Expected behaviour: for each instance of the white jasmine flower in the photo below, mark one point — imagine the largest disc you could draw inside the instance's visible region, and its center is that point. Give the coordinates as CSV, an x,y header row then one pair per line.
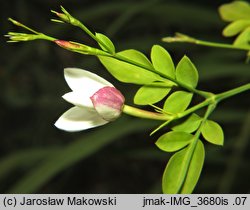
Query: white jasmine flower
x,y
96,101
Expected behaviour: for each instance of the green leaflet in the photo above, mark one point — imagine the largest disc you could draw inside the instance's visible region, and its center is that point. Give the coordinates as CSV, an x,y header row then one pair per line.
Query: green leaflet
x,y
177,102
162,61
186,72
195,169
173,141
190,125
212,132
235,11
152,93
136,56
243,39
108,43
183,169
174,173
235,27
130,73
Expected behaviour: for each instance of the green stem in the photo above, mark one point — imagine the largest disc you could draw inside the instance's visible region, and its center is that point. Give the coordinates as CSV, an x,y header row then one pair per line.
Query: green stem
x,y
211,102
75,22
22,26
84,28
145,114
39,35
229,93
196,107
193,144
185,38
214,99
220,45
45,37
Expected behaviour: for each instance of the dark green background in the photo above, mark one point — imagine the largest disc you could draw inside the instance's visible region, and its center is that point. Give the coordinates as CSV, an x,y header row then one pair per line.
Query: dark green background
x,y
120,157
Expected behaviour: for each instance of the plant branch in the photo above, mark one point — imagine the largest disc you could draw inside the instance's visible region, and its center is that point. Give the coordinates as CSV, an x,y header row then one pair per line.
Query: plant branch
x,y
179,37
16,37
68,18
211,99
230,93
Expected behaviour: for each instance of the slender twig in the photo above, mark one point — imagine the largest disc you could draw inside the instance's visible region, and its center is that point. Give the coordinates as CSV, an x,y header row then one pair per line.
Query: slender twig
x,y
179,37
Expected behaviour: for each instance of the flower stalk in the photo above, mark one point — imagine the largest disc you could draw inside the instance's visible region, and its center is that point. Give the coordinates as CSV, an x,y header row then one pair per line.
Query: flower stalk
x,y
133,111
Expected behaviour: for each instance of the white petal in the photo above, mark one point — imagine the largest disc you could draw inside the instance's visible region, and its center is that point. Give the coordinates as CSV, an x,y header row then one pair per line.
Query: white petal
x,y
80,80
78,99
77,119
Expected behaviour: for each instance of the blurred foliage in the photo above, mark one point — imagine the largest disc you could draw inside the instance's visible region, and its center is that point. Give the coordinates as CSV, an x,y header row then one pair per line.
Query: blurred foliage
x,y
36,157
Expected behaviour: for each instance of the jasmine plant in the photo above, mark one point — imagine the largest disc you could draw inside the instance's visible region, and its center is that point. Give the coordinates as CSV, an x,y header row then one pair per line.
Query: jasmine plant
x,y
97,102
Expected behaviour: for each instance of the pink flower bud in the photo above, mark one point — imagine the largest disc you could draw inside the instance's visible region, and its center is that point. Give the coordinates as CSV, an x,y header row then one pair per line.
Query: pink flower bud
x,y
67,44
108,102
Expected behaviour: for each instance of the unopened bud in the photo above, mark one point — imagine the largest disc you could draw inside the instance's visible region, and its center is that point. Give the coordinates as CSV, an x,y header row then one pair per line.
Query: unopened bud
x,y
108,102
80,48
67,44
65,17
18,37
62,16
